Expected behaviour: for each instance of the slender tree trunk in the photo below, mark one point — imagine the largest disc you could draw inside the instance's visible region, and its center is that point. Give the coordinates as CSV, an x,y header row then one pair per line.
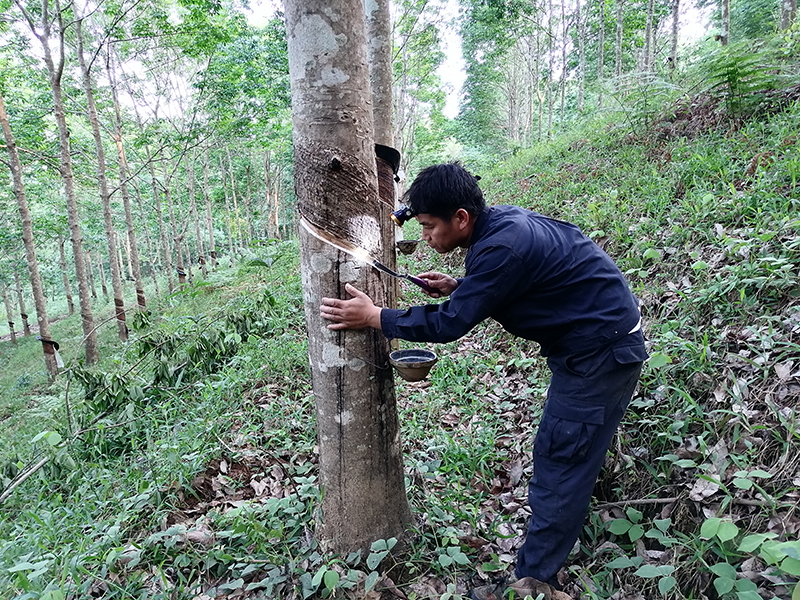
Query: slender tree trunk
x,y
725,33
360,464
563,83
56,71
379,53
673,49
201,255
579,15
240,238
788,13
248,206
648,37
550,66
212,249
62,263
27,240
105,197
9,313
90,274
102,275
148,244
166,250
177,236
269,199
229,217
601,45
23,313
618,41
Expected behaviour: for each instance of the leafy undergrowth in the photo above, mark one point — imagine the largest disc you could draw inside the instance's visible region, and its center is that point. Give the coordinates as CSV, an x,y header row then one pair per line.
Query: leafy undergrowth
x,y
190,471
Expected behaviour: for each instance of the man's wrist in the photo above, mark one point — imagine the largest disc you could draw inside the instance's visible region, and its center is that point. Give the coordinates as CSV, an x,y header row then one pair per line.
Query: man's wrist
x,y
375,318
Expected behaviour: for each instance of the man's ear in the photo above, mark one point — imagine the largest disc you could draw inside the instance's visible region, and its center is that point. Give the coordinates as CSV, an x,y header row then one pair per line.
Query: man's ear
x,y
462,218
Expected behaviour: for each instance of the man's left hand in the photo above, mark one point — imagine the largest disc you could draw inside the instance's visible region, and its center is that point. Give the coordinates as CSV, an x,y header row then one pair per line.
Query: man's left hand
x,y
356,313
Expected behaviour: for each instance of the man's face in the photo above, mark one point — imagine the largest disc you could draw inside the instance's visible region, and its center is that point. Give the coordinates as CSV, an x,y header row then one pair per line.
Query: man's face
x,y
443,235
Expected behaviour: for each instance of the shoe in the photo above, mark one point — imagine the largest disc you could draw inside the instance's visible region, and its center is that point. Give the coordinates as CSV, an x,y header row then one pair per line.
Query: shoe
x,y
528,586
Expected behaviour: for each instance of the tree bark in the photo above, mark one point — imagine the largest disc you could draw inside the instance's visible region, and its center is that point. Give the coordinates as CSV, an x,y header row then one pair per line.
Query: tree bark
x,y
62,263
177,235
241,239
102,275
725,33
601,45
133,246
673,49
166,250
105,197
550,64
23,312
788,13
618,42
581,54
201,255
90,274
27,240
55,72
9,313
648,37
212,249
361,472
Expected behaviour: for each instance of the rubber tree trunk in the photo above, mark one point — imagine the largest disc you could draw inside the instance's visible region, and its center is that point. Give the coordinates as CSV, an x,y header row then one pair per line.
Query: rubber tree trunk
x,y
122,161
725,33
361,471
62,262
9,313
212,248
618,41
379,47
23,312
166,251
115,266
601,45
201,257
55,71
673,48
788,13
90,274
580,16
27,239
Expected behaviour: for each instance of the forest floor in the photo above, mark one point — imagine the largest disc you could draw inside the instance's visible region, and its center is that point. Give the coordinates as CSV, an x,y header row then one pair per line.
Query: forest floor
x,y
185,467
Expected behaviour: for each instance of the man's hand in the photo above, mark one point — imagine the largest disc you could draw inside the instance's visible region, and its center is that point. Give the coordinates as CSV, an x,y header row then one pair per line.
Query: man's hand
x,y
444,283
356,313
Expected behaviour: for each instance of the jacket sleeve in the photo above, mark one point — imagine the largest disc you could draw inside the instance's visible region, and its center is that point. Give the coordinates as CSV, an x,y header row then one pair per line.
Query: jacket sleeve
x,y
491,277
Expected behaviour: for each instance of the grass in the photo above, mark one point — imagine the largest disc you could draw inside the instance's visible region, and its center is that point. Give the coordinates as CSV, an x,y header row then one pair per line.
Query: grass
x,y
194,471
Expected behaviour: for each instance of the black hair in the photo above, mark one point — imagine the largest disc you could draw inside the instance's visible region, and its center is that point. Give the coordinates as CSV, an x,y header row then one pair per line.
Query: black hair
x,y
440,190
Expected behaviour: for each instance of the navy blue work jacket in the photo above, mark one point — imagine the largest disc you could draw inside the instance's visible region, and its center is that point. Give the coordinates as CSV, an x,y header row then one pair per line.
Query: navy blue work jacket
x,y
540,278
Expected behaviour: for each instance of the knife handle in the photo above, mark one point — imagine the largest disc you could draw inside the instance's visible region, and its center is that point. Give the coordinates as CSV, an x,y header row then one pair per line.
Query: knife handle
x,y
423,284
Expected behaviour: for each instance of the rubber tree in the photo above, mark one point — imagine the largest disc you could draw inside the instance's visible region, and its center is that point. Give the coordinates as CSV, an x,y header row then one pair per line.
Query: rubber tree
x,y
27,239
51,26
360,464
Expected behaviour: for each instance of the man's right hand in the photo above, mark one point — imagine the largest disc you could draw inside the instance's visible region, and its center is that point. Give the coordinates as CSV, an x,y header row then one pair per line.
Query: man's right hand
x,y
445,284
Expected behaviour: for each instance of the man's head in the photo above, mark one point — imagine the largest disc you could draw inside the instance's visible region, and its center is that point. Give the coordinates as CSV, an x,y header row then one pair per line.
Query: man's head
x,y
440,190
446,200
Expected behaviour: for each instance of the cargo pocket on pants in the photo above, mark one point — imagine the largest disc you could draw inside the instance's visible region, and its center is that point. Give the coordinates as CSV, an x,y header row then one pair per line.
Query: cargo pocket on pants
x,y
567,430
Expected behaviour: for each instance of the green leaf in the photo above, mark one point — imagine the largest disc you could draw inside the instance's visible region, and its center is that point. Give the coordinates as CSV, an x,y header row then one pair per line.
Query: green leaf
x,y
445,560
331,579
648,571
791,566
723,570
709,528
723,585
748,595
666,584
699,265
318,577
54,438
370,581
745,585
760,473
790,549
635,532
685,463
750,543
659,360
727,531
796,592
233,585
621,562
742,484
634,515
619,526
651,254
663,524
375,558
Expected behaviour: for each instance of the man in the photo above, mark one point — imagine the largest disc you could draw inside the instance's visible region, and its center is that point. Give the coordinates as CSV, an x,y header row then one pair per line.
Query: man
x,y
542,280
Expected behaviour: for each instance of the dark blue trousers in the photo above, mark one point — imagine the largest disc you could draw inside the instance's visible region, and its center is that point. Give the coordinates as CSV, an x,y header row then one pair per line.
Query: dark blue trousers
x,y
587,397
